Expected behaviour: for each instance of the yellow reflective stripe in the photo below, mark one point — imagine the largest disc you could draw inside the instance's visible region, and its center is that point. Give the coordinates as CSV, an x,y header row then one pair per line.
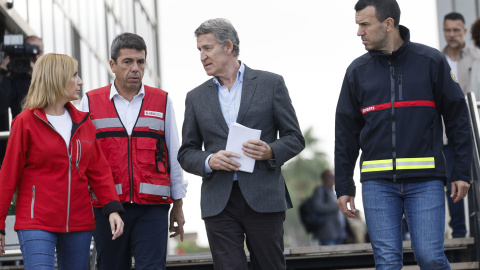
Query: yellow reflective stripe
x,y
377,169
415,163
415,159
377,161
377,165
415,167
401,164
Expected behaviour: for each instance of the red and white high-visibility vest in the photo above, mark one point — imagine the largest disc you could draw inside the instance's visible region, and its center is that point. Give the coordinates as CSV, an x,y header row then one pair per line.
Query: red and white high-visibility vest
x,y
139,162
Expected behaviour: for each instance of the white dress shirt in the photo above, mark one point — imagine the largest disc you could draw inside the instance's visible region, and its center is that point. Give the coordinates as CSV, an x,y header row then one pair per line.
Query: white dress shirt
x,y
128,112
229,104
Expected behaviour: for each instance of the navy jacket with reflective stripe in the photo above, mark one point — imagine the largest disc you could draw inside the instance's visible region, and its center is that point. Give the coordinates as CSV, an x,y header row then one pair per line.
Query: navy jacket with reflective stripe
x,y
391,107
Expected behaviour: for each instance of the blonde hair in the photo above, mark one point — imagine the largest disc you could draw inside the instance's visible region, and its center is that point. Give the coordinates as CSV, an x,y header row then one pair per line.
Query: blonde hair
x,y
50,77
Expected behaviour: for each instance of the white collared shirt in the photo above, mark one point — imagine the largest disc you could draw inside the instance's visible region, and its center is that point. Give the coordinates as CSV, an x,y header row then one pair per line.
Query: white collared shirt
x,y
229,104
128,112
230,99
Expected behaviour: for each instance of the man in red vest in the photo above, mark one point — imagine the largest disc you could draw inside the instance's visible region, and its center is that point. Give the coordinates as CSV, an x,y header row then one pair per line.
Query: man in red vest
x,y
137,130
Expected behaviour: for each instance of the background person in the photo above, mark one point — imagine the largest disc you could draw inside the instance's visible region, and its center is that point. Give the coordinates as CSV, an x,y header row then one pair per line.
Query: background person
x,y
137,131
13,89
460,56
52,159
400,134
334,230
236,205
475,78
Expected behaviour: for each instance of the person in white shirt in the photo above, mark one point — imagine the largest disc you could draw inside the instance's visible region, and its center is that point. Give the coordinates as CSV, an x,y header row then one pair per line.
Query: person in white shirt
x,y
460,57
475,78
137,130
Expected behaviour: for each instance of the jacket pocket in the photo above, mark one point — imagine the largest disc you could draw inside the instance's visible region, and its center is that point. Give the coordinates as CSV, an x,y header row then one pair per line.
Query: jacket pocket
x,y
79,154
432,137
151,154
33,203
146,151
400,88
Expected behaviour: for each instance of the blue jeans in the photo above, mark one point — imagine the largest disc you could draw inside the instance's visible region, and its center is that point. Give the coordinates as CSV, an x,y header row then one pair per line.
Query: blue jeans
x,y
38,249
423,203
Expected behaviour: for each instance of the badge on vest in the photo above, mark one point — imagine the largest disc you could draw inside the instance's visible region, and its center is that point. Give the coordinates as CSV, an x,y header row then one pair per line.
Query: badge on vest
x,y
155,114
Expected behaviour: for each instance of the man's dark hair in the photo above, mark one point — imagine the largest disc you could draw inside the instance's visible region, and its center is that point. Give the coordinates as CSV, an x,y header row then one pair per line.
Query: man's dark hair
x,y
454,16
127,41
384,9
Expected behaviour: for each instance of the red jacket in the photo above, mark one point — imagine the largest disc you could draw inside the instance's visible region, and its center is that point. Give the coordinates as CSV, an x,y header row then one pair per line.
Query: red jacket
x,y
139,161
51,180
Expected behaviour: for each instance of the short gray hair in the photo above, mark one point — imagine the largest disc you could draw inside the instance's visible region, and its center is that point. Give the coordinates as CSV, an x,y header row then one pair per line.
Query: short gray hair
x,y
223,30
127,41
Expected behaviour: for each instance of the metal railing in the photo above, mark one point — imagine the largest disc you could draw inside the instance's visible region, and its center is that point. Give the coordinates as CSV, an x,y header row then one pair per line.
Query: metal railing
x,y
4,135
474,192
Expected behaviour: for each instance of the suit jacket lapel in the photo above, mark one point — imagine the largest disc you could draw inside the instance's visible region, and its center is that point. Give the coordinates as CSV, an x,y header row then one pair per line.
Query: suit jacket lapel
x,y
248,91
214,105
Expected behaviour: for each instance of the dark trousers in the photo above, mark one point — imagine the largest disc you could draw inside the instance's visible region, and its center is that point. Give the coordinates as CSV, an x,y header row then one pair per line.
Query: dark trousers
x,y
145,237
262,232
457,210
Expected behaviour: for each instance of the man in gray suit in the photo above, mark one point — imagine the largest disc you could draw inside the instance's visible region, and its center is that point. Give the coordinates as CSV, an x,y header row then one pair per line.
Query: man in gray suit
x,y
235,204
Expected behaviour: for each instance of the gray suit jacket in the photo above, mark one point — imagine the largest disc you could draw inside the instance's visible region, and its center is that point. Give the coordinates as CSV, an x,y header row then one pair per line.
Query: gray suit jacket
x,y
265,105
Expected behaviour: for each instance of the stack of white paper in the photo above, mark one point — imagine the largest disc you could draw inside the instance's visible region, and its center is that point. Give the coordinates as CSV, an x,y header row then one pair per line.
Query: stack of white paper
x,y
237,135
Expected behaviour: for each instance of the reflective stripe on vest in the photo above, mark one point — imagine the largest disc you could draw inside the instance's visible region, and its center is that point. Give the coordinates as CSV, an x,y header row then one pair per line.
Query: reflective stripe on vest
x,y
377,165
154,189
107,122
415,163
152,123
118,187
401,164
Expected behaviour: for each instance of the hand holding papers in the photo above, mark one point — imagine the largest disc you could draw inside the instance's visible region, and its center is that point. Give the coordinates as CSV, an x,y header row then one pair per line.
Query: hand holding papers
x,y
237,135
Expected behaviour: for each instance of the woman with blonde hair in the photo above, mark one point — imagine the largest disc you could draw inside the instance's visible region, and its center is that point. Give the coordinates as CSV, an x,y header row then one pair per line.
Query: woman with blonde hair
x,y
51,160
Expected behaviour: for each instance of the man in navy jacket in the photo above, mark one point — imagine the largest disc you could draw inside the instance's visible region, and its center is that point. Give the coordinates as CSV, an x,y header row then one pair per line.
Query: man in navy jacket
x,y
391,106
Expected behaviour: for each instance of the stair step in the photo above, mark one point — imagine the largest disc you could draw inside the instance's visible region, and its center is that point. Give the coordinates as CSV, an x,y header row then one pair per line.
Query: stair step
x,y
340,250
454,266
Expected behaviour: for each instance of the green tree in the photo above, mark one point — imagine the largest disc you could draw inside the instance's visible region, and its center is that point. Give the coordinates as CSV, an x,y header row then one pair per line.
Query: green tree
x,y
302,175
13,205
189,247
